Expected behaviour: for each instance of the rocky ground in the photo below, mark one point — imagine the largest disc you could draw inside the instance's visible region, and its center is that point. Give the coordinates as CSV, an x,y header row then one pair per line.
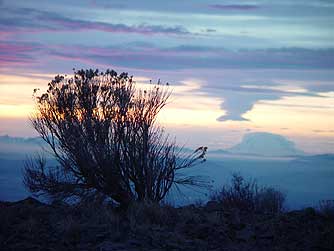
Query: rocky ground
x,y
32,225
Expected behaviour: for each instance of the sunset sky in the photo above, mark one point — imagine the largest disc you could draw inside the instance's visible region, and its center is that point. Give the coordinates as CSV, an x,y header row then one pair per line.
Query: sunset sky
x,y
234,66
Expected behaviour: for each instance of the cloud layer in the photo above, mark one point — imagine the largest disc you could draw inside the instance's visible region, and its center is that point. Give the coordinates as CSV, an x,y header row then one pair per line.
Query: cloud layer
x,y
22,20
234,6
243,53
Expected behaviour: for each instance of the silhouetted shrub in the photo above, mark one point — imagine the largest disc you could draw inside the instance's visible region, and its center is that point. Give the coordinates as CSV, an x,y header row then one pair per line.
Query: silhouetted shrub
x,y
326,208
269,200
103,134
248,195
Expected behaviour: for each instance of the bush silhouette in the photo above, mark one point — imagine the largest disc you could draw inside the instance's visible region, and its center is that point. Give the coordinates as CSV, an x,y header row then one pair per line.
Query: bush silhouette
x,y
247,195
103,133
326,208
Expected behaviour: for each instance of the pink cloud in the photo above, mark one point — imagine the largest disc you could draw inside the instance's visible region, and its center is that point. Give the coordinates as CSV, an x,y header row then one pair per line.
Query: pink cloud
x,y
12,54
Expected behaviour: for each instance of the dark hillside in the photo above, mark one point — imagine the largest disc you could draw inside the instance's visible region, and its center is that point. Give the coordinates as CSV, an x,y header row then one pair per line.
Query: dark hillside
x,y
31,225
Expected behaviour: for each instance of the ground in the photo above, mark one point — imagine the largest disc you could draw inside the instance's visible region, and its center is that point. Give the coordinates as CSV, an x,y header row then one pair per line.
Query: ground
x,y
32,225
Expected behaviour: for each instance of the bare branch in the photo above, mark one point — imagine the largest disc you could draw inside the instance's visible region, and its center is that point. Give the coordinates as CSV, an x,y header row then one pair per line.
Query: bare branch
x,y
102,131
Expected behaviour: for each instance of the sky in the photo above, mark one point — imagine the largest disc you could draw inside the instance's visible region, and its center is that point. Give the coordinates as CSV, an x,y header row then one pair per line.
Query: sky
x,y
234,67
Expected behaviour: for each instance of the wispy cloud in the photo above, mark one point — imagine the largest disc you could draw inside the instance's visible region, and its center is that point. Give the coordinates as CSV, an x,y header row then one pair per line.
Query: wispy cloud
x,y
213,51
17,53
240,91
194,57
32,20
73,24
234,6
238,100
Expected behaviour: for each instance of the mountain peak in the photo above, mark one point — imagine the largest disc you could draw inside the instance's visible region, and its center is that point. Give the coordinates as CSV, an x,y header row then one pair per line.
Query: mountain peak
x,y
265,144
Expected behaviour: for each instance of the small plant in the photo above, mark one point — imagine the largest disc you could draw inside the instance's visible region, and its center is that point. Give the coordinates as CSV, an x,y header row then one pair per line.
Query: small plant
x,y
326,208
247,195
270,200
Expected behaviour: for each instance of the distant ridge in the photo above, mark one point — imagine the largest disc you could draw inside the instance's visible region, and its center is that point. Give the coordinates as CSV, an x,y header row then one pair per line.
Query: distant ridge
x,y
318,157
20,140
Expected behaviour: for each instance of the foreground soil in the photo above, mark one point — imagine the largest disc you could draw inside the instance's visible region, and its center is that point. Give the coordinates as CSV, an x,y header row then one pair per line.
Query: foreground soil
x,y
32,225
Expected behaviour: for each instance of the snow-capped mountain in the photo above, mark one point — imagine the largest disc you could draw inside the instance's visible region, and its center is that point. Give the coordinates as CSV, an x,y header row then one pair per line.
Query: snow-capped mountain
x,y
265,144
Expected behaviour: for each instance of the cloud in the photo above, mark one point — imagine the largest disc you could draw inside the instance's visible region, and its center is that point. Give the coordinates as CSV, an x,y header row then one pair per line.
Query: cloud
x,y
210,30
237,104
145,55
73,24
310,106
233,6
31,20
320,86
17,53
327,2
238,99
172,6
106,5
319,131
240,90
200,57
241,78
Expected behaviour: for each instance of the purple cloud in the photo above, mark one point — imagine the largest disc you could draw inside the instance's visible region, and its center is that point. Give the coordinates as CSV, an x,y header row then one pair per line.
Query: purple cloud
x,y
14,53
238,99
180,57
194,57
31,20
74,24
237,90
